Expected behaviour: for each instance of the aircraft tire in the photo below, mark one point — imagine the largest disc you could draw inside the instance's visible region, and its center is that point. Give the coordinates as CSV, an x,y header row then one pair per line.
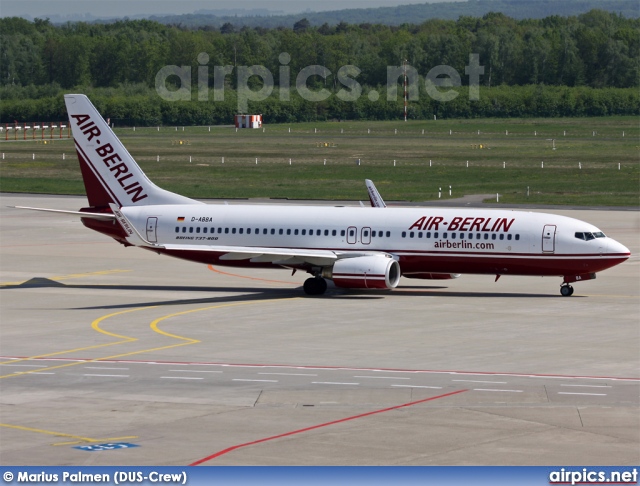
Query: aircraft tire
x,y
566,290
315,286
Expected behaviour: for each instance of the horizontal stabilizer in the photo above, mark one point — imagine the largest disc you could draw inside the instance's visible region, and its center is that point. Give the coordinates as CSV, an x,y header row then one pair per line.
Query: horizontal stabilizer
x,y
98,216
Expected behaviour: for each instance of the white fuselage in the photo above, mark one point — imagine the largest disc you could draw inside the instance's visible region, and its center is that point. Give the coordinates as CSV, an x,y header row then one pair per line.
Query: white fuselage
x,y
422,239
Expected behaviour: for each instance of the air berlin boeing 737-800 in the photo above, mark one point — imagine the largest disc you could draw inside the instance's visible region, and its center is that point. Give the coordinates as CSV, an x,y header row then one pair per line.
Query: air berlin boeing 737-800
x,y
355,247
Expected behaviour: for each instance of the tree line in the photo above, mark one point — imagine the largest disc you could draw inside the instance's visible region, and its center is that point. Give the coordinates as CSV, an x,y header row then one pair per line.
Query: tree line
x,y
586,65
137,105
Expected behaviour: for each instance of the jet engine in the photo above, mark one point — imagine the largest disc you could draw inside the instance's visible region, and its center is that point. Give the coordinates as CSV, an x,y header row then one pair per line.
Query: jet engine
x,y
366,272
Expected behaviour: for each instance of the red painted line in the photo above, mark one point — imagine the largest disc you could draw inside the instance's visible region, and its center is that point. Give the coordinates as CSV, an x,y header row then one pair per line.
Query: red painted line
x,y
213,269
307,429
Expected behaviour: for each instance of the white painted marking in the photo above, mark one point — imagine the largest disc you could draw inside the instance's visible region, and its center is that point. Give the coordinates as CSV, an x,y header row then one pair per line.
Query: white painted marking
x,y
417,386
265,381
590,386
383,377
372,370
181,378
25,365
110,376
492,390
480,381
195,371
289,374
590,394
103,368
332,383
40,373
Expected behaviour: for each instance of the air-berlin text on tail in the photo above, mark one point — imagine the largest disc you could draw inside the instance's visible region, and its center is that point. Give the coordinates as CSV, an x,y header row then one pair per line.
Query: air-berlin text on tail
x,y
432,223
111,159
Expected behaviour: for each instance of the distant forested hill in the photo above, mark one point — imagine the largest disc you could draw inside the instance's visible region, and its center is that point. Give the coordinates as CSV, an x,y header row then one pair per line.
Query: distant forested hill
x,y
414,14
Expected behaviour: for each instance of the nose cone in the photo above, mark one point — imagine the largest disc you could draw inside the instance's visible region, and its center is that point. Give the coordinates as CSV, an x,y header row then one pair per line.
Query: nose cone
x,y
617,249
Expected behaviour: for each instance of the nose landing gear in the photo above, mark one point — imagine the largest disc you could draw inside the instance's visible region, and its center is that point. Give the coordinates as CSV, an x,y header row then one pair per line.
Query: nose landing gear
x,y
566,290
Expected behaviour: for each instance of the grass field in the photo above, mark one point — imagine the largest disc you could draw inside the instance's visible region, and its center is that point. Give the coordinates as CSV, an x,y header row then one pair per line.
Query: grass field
x,y
580,155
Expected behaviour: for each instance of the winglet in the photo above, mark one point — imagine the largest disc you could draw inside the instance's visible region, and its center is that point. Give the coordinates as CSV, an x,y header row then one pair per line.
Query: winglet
x,y
374,195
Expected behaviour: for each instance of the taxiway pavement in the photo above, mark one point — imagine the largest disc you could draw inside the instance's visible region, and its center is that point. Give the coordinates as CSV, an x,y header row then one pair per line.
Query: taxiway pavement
x,y
104,344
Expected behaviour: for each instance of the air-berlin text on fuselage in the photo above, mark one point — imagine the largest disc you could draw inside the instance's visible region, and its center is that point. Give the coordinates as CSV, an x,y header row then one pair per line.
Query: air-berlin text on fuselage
x,y
432,223
111,159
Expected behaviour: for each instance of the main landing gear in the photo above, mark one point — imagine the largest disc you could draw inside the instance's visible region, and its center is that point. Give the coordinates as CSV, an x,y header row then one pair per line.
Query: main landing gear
x,y
566,290
315,286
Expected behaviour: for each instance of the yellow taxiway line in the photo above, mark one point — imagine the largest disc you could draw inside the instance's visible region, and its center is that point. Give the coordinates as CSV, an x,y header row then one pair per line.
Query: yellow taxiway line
x,y
78,439
96,327
67,277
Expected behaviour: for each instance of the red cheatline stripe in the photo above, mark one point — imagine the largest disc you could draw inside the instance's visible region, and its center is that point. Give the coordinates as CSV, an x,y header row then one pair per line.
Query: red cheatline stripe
x,y
307,429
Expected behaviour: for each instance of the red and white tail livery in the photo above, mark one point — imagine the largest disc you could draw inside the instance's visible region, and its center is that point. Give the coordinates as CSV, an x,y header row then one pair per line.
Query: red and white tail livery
x,y
356,247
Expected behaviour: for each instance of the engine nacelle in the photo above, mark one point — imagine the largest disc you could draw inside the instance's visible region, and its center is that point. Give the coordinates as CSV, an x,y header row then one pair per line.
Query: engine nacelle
x,y
367,272
432,276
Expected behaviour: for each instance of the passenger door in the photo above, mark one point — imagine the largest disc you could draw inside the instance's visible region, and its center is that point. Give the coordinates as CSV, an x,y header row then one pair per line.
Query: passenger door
x,y
352,235
549,238
365,236
152,224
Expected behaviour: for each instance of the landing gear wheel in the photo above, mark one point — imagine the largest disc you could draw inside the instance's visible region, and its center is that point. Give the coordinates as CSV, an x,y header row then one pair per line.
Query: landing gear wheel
x,y
315,286
566,290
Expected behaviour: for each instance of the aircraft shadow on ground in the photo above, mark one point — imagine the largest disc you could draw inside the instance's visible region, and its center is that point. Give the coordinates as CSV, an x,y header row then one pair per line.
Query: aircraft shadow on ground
x,y
247,294
436,292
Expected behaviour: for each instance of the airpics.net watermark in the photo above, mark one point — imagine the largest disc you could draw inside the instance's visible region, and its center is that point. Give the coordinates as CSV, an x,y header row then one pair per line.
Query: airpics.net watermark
x,y
439,82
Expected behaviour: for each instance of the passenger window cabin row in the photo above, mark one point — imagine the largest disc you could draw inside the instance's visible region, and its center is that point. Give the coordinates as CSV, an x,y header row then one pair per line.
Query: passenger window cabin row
x,y
270,231
352,233
453,236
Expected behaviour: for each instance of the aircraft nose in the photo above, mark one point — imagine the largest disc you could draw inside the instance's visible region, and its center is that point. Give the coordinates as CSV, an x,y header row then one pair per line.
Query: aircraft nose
x,y
617,248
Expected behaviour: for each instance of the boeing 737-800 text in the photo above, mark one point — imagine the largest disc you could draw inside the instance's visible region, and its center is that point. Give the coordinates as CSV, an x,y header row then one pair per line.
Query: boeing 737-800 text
x,y
355,247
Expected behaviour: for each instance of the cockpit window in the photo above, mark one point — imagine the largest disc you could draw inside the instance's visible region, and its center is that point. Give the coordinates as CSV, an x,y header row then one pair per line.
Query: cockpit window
x,y
589,236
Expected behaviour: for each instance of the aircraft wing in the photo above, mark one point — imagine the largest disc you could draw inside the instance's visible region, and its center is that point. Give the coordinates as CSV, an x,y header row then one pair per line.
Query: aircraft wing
x,y
278,256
